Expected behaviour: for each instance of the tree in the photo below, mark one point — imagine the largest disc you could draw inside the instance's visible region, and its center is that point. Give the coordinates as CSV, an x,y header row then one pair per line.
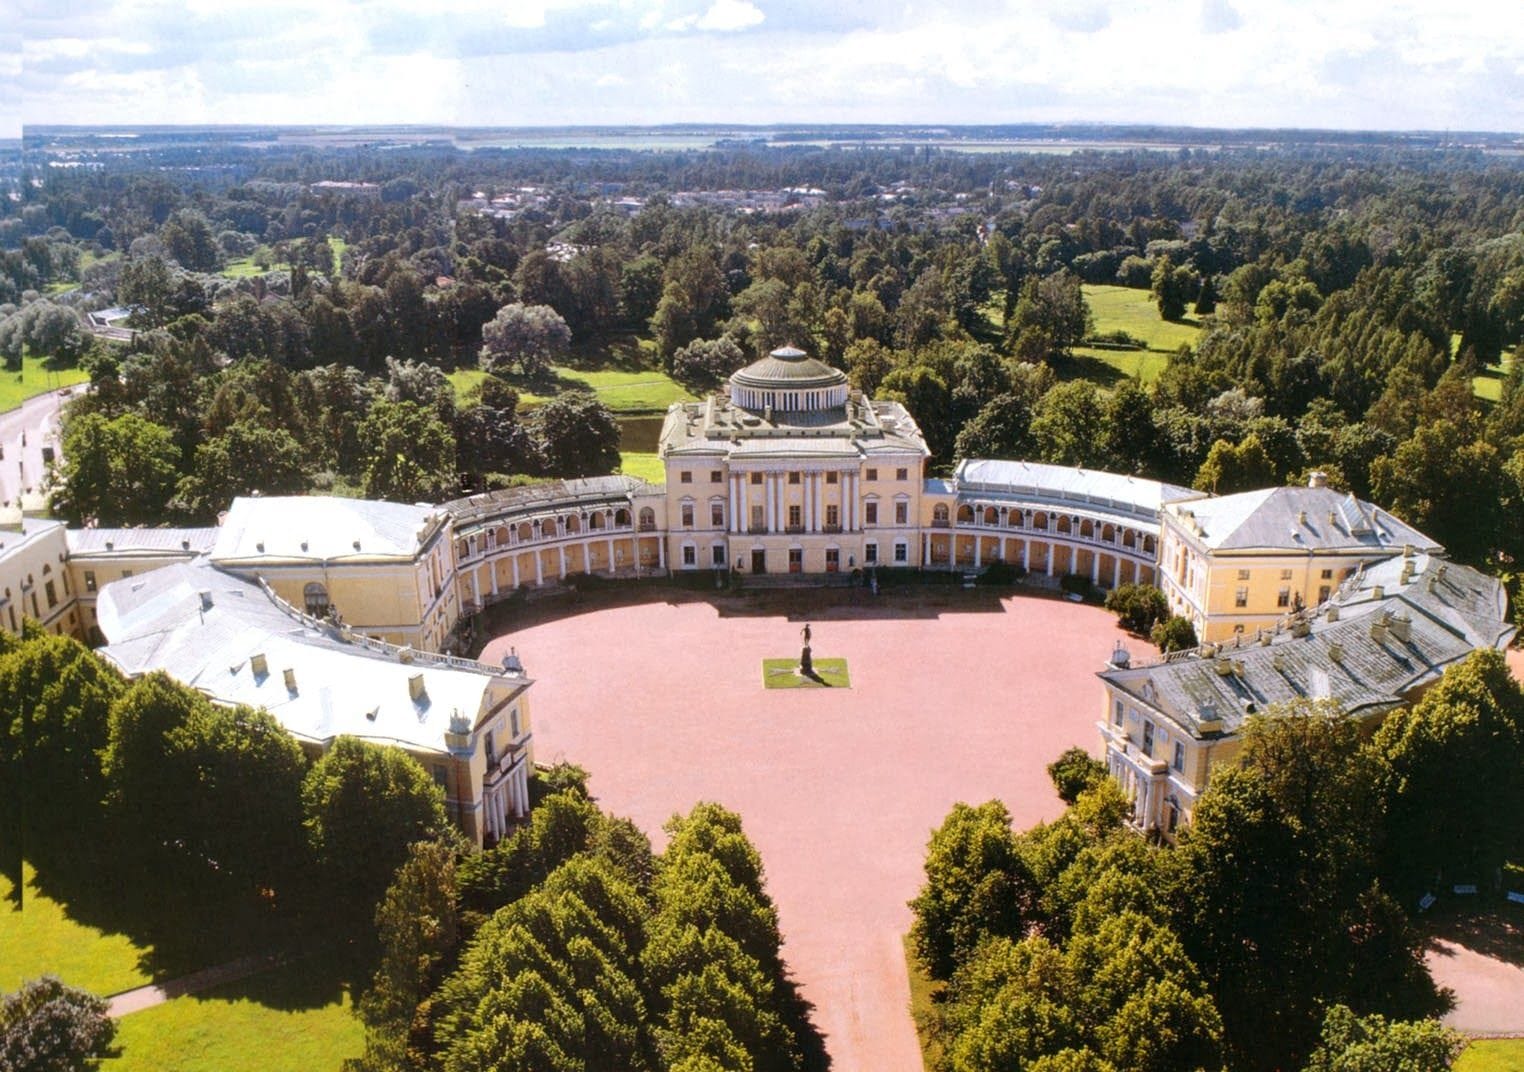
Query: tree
x,y
409,453
576,435
1071,425
120,471
418,930
524,338
1001,429
926,395
49,1027
1171,288
1230,468
364,805
976,886
1445,483
1173,634
246,459
1471,721
1138,607
1075,771
707,362
188,238
1352,1043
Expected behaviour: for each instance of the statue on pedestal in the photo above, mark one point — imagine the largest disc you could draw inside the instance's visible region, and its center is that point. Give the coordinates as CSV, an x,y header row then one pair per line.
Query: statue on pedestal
x,y
806,663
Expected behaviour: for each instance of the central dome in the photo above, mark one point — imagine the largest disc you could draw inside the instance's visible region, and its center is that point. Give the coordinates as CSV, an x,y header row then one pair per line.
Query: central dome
x,y
788,379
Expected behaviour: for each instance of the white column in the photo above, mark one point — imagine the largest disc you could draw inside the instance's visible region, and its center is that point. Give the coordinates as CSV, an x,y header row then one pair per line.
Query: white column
x,y
1026,545
492,578
661,553
611,554
476,588
978,551
1052,551
819,500
849,502
539,570
735,503
807,509
926,549
767,497
562,552
1095,568
515,561
587,556
1116,571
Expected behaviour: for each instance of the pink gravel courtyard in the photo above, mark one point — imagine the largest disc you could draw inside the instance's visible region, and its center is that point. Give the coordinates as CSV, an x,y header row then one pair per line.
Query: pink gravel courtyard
x,y
954,696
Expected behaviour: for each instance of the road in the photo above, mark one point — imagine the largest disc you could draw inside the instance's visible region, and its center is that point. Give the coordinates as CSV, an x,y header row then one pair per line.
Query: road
x,y
24,431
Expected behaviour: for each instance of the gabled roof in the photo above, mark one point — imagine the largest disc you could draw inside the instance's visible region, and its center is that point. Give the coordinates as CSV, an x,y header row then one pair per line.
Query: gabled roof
x,y
1394,628
204,627
320,528
1297,519
141,541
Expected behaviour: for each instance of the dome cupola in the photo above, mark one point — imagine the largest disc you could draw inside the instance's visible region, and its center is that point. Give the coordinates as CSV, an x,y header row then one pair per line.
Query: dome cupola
x,y
789,381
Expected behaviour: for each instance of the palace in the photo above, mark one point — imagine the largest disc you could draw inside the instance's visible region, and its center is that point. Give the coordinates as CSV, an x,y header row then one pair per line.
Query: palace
x,y
1295,592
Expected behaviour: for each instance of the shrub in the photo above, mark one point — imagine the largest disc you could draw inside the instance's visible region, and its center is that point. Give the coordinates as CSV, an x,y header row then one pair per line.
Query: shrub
x,y
1138,607
1174,634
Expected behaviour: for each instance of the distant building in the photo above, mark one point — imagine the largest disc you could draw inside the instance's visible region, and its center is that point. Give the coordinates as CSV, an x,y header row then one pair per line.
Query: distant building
x,y
99,556
236,641
360,191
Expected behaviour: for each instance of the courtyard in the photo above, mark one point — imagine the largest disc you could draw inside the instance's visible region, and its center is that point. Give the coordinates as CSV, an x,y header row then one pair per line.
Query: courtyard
x,y
955,695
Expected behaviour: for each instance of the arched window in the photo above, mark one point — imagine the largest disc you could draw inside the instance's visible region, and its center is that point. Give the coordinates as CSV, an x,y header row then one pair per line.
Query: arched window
x,y
595,521
572,524
622,518
1148,544
1087,528
939,513
1064,524
991,516
965,514
1040,521
647,519
1015,519
315,597
525,532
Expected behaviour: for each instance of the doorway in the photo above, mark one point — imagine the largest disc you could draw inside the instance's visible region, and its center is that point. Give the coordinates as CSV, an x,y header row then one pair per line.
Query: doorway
x,y
759,561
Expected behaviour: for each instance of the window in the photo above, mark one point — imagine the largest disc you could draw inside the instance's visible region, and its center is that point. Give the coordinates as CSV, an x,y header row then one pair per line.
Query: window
x,y
89,580
315,599
1148,737
832,478
833,517
513,720
1116,713
1322,593
901,552
795,518
756,478
685,477
1174,817
1241,597
870,474
901,513
1326,575
717,514
870,552
1283,598
870,513
687,515
690,555
717,556
758,518
52,594
833,560
126,573
1285,575
793,478
491,749
1243,575
438,771
716,477
1179,762
902,474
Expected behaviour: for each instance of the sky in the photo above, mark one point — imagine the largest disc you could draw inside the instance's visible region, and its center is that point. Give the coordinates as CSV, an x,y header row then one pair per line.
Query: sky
x,y
1344,64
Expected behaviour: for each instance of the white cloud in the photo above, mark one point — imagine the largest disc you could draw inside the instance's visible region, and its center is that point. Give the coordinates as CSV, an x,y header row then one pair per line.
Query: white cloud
x,y
726,15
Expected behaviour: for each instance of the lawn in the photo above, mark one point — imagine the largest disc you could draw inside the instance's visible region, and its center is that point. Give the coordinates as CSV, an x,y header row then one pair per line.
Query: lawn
x,y
1492,1055
780,674
42,938
621,390
245,268
647,465
1108,367
923,994
33,379
294,1019
1134,311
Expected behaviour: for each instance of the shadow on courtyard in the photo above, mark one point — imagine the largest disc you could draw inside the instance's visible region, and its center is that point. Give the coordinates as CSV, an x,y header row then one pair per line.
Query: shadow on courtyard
x,y
1494,932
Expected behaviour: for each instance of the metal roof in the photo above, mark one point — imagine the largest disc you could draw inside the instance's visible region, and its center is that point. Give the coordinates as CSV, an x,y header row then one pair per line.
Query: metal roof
x,y
320,528
1298,519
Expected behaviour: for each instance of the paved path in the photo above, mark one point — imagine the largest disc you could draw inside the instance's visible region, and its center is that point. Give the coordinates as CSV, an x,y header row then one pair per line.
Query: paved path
x,y
146,997
955,696
23,433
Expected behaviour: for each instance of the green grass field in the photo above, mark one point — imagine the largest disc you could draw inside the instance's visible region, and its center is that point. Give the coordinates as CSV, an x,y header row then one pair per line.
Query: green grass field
x,y
244,267
43,939
643,464
923,991
33,379
1134,311
621,390
294,1019
779,674
1492,1055
1108,367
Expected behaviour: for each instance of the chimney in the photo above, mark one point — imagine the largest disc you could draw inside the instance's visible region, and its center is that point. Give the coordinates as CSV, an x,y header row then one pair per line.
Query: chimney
x,y
1301,517
415,687
1379,632
258,664
1224,667
1378,591
1402,628
290,676
1336,652
1333,612
1317,479
206,599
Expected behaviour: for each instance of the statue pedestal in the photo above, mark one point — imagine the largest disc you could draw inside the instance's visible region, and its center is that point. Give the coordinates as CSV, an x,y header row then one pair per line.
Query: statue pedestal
x,y
806,663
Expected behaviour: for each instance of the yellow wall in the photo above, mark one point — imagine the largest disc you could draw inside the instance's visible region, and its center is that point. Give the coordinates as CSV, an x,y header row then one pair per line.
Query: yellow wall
x,y
28,566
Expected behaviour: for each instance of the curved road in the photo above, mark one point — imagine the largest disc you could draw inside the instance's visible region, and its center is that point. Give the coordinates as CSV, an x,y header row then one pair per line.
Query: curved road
x,y
24,431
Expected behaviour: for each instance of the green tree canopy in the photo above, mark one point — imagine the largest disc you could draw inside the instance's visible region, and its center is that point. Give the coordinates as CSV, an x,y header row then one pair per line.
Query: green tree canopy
x,y
117,471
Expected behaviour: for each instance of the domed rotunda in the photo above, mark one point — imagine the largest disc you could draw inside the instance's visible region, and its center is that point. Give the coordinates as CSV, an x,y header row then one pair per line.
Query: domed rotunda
x,y
789,380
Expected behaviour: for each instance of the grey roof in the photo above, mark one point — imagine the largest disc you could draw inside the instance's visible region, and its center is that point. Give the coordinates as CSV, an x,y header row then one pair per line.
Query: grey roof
x,y
21,530
550,495
144,541
718,428
1389,637
1298,519
320,528
788,368
1038,480
161,621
